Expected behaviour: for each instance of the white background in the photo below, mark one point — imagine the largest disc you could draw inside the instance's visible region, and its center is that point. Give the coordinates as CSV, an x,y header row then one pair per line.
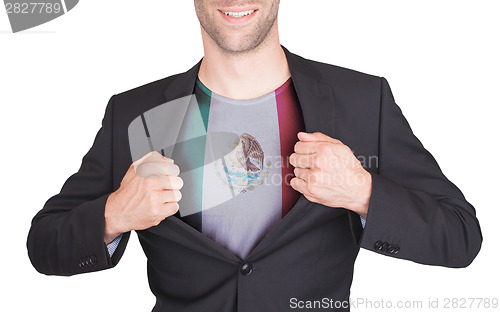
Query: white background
x,y
441,59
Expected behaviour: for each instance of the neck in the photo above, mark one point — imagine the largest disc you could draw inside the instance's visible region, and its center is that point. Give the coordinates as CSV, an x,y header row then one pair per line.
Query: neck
x,y
244,76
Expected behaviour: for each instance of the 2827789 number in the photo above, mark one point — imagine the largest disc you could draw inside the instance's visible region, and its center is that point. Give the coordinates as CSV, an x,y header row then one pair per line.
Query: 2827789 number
x,y
32,8
470,303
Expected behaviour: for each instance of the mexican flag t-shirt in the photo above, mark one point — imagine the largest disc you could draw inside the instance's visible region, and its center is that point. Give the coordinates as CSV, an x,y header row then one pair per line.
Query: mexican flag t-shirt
x,y
243,188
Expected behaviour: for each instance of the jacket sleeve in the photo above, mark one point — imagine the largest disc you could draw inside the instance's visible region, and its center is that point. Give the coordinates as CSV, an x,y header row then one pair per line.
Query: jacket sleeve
x,y
415,212
67,236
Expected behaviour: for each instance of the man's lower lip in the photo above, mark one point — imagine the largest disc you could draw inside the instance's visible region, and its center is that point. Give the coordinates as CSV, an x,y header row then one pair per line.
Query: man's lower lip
x,y
237,20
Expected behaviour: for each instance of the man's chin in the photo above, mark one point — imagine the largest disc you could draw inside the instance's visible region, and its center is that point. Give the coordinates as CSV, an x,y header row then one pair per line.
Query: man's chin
x,y
239,46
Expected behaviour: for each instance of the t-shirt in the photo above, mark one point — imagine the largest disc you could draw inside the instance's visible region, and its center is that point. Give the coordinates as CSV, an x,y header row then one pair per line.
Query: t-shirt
x,y
243,188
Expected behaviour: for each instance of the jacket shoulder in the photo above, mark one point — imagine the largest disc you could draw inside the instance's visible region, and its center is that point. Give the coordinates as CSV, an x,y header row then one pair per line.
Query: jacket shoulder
x,y
132,103
152,90
339,75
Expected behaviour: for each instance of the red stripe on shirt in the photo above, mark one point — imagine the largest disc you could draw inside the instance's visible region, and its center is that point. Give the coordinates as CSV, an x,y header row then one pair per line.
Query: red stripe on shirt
x,y
291,122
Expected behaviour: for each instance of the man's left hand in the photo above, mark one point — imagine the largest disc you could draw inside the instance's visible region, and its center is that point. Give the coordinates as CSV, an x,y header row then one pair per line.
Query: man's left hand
x,y
327,172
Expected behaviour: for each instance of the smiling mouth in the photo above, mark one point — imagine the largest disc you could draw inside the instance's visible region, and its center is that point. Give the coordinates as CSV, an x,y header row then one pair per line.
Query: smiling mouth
x,y
238,14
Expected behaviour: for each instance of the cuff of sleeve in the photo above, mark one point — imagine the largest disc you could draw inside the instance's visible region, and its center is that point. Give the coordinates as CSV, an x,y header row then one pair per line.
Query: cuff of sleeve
x,y
112,246
363,221
385,196
88,224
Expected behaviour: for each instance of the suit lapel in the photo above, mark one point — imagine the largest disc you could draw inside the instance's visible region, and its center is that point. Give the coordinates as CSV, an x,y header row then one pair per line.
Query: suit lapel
x,y
318,108
316,98
182,84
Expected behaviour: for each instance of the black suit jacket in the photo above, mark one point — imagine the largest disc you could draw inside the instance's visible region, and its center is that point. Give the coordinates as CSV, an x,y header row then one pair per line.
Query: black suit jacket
x,y
415,212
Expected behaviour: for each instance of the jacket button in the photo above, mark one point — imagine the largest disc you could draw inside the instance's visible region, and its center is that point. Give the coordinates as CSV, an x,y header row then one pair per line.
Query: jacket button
x,y
246,269
384,246
83,263
396,249
93,260
390,249
378,245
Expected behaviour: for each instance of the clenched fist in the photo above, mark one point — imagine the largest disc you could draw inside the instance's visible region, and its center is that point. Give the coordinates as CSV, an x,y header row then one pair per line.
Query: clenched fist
x,y
148,193
327,172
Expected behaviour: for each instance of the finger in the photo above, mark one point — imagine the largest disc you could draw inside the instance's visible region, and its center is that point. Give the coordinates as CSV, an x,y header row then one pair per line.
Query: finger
x,y
316,136
158,158
172,169
146,156
162,169
308,147
298,184
171,208
311,176
302,161
170,196
150,170
301,186
301,173
157,170
171,183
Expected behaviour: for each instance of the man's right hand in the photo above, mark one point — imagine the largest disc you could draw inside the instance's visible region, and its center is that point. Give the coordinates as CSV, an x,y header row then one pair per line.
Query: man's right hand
x,y
148,193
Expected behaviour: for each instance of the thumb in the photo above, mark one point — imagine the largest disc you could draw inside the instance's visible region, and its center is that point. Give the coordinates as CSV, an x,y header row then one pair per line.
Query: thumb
x,y
316,136
152,157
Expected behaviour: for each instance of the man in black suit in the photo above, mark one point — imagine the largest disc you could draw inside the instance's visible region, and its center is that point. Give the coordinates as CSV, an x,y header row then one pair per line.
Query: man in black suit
x,y
412,211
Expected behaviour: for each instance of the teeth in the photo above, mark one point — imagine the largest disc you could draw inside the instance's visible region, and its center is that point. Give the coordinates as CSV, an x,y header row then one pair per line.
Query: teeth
x,y
239,14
